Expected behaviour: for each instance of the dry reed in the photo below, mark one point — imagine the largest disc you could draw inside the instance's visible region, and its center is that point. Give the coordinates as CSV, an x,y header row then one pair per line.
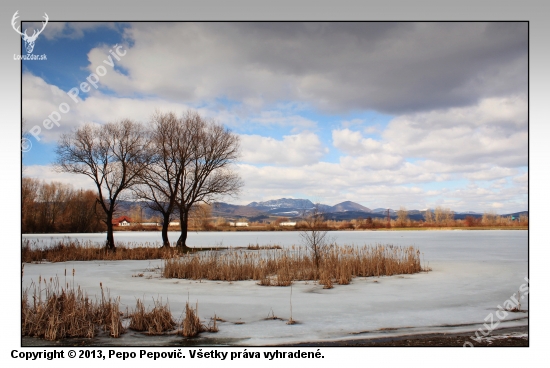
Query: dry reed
x,y
75,251
57,312
192,325
281,267
155,322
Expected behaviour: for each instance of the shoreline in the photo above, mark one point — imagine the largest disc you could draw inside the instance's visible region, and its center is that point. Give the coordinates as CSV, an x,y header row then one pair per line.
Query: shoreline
x,y
507,336
504,337
244,230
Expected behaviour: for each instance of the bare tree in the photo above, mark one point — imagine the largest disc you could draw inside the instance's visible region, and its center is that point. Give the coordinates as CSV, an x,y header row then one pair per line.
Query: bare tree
x,y
489,218
402,216
314,235
82,215
136,213
214,149
200,216
524,219
112,155
439,215
172,154
54,198
449,217
444,216
428,216
29,197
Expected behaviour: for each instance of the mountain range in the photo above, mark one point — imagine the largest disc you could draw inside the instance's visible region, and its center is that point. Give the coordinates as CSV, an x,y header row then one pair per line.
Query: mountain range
x,y
293,208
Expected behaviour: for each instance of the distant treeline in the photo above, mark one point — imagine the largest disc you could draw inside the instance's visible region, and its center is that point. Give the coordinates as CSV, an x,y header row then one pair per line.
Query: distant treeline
x,y
440,217
58,208
55,207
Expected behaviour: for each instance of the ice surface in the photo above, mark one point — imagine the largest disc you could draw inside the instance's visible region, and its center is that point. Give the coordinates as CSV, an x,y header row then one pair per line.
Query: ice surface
x,y
473,273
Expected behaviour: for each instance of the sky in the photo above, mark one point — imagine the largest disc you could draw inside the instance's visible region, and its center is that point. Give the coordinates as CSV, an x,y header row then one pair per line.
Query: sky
x,y
404,114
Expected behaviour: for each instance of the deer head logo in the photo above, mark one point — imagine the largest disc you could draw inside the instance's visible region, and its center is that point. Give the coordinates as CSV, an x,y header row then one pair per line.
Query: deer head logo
x,y
29,40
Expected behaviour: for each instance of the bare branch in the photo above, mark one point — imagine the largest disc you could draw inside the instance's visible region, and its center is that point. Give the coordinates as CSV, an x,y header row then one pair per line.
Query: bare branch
x,y
113,156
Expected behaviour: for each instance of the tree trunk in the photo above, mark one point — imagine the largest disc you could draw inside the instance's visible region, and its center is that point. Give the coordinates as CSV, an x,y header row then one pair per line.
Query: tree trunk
x,y
184,217
165,224
110,237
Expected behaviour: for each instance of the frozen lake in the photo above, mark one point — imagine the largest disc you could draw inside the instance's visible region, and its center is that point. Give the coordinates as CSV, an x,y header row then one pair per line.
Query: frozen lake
x,y
473,273
444,245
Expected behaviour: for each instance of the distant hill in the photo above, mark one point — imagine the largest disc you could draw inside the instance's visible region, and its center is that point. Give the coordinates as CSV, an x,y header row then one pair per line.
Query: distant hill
x,y
294,208
349,206
384,211
287,207
224,209
518,214
303,204
351,215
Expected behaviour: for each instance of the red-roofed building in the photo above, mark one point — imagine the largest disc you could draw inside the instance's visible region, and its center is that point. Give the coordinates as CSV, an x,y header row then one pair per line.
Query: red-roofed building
x,y
122,221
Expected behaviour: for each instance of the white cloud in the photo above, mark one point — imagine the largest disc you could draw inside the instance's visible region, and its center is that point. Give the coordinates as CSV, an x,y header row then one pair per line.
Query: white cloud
x,y
372,161
40,99
390,189
491,174
48,174
521,179
324,64
353,143
487,141
493,131
371,129
294,150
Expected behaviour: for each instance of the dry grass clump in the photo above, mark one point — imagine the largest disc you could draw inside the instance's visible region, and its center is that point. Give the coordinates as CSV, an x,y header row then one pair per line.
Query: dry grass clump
x,y
154,322
326,280
192,325
281,267
56,312
110,315
75,251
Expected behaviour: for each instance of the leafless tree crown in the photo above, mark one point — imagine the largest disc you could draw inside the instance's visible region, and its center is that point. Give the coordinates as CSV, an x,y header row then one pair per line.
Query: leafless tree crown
x,y
213,151
112,155
314,235
172,165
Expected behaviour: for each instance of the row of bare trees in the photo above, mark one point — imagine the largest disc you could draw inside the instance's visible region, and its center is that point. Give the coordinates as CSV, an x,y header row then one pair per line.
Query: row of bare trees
x,y
441,216
170,164
57,207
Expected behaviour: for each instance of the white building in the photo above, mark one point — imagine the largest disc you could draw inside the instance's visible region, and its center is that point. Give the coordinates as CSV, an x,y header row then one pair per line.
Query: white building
x,y
238,224
287,224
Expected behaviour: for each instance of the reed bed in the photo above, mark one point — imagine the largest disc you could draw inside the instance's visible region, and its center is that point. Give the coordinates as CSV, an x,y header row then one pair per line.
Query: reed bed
x,y
54,312
154,322
281,267
75,251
